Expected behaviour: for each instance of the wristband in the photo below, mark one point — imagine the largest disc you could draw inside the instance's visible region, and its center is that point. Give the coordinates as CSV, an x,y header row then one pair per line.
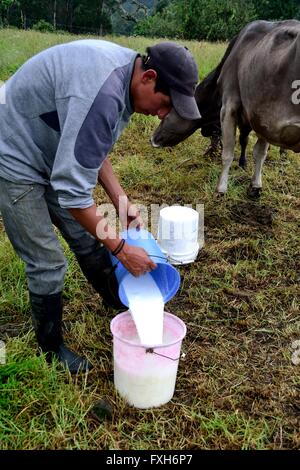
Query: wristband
x,y
119,248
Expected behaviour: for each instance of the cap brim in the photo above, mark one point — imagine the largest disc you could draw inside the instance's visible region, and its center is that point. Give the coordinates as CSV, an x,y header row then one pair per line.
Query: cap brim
x,y
185,106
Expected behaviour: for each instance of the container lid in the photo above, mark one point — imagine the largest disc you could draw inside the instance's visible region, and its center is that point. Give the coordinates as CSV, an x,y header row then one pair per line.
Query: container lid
x,y
179,214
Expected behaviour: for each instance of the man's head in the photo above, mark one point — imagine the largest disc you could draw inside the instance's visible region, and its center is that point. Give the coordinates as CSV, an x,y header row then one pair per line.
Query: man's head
x,y
167,78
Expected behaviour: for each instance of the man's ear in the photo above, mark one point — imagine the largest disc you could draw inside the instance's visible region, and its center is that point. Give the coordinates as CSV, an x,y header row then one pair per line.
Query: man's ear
x,y
149,75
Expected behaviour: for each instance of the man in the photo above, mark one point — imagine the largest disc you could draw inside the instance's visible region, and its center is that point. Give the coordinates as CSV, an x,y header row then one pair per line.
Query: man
x,y
64,109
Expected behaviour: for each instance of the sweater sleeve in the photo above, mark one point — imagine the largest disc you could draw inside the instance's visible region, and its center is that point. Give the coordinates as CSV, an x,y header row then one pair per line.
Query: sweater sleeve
x,y
86,139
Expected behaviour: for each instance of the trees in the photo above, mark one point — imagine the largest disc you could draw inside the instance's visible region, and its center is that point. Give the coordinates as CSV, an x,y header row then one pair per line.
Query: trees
x,y
5,6
187,19
199,19
277,9
92,16
166,21
213,19
72,15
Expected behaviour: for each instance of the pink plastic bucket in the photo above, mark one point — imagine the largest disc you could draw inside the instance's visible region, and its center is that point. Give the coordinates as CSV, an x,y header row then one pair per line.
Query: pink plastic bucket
x,y
145,376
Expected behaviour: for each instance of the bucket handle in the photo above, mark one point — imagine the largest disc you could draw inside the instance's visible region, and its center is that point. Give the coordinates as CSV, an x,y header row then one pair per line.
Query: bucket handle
x,y
166,258
151,351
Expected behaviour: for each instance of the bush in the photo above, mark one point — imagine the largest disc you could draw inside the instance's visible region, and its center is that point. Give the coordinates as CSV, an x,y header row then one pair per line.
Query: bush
x,y
43,26
165,23
211,20
217,19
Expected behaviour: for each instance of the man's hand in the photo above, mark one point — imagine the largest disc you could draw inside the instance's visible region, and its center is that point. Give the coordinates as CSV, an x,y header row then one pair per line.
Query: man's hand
x,y
136,260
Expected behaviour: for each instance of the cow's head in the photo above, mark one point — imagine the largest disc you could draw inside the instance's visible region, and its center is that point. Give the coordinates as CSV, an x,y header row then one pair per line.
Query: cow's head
x,y
174,129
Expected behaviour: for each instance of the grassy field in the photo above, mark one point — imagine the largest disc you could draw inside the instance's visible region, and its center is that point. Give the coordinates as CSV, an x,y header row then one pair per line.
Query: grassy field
x,y
237,387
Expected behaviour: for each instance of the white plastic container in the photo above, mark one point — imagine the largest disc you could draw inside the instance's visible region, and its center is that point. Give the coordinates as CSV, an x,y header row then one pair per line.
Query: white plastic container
x,y
178,234
145,377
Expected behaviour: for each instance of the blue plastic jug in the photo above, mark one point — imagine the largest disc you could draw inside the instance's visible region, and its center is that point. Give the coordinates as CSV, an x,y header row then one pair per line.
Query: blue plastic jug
x,y
167,278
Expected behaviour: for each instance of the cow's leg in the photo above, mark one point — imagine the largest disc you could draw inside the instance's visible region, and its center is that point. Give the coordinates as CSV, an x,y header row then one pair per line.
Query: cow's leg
x,y
244,137
228,121
259,154
215,148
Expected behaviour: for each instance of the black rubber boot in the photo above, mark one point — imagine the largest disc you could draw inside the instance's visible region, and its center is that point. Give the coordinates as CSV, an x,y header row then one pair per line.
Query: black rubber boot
x,y
98,270
47,322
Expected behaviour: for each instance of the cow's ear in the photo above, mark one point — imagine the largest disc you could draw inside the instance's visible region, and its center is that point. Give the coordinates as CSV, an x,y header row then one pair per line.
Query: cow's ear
x,y
149,75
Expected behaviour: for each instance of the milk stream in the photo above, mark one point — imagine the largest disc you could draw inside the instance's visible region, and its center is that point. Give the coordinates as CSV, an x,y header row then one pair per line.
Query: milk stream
x,y
146,306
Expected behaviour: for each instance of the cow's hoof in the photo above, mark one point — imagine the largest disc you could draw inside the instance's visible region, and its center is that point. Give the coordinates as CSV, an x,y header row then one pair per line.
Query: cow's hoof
x,y
254,193
219,195
212,154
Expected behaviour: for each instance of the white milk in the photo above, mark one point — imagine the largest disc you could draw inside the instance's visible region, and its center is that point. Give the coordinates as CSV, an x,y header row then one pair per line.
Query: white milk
x,y
144,391
146,306
154,385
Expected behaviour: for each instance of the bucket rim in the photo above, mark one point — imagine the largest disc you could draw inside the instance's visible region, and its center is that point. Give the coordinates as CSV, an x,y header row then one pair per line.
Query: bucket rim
x,y
147,346
176,260
187,254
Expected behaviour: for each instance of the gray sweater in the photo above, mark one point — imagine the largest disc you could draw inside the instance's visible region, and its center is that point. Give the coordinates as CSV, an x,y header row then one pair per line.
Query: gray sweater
x,y
64,109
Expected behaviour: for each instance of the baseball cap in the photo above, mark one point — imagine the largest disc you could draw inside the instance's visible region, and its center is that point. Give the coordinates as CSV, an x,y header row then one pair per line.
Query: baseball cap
x,y
177,68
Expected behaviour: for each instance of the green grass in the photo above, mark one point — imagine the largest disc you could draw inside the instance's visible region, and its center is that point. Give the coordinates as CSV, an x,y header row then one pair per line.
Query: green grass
x,y
17,46
237,387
